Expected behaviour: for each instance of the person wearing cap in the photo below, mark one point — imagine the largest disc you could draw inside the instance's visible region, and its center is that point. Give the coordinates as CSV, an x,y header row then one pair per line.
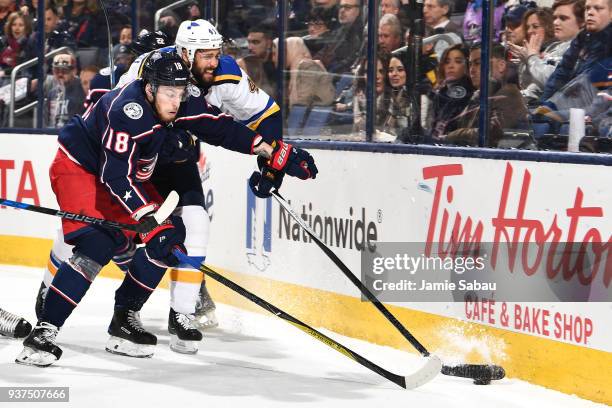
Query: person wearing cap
x,y
513,22
64,94
123,55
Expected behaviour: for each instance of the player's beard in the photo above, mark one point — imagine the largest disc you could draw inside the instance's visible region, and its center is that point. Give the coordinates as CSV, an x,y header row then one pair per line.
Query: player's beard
x,y
202,77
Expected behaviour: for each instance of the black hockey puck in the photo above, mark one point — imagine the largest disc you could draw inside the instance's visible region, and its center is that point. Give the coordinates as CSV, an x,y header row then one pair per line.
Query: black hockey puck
x,y
482,381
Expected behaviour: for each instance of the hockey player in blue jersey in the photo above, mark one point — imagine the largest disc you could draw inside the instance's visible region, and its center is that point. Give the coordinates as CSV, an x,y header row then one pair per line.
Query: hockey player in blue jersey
x,y
223,84
102,168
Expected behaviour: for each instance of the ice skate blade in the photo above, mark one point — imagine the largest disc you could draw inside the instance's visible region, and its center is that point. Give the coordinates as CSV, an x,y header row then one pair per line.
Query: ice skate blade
x,y
208,320
123,347
31,357
183,346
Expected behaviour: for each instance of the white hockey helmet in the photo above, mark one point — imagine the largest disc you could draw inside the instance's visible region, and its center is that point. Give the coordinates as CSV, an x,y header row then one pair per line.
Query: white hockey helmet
x,y
197,35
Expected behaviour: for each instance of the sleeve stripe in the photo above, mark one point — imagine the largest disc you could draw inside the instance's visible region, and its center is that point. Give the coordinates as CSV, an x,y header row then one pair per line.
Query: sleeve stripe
x,y
105,156
148,132
273,109
204,115
227,77
63,149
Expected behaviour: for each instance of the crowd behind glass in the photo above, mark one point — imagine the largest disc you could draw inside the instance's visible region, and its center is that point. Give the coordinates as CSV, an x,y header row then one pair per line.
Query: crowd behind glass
x,y
546,58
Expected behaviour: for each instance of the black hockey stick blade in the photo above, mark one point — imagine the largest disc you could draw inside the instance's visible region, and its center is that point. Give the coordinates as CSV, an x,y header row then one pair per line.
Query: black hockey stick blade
x,y
475,371
423,375
145,225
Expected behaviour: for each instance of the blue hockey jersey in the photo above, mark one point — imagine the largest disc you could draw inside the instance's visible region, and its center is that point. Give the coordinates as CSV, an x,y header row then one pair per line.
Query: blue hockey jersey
x,y
120,138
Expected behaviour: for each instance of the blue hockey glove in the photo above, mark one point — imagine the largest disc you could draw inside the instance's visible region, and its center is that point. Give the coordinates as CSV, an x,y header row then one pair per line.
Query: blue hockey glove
x,y
262,183
161,240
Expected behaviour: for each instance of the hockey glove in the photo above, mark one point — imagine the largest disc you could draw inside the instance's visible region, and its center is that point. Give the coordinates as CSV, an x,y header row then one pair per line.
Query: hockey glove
x,y
162,239
179,146
262,183
285,159
293,161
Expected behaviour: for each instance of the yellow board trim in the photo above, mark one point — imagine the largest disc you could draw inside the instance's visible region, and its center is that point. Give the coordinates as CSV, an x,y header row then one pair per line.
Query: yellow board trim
x,y
560,366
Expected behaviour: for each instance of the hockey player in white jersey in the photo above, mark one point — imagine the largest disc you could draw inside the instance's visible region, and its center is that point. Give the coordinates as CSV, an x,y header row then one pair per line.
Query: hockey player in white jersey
x,y
229,88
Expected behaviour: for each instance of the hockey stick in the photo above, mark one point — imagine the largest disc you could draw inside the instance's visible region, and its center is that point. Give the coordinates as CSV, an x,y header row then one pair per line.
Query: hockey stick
x,y
481,373
145,224
423,375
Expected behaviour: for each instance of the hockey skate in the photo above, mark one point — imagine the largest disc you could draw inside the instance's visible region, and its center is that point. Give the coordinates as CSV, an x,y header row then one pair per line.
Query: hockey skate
x,y
184,336
39,348
205,317
13,326
128,337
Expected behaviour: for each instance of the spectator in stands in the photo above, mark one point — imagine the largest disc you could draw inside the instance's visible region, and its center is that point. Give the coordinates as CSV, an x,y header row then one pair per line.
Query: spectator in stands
x,y
193,11
538,61
63,90
390,7
590,47
453,93
169,23
125,39
398,114
17,31
539,42
436,14
342,52
309,84
124,56
319,30
52,23
258,64
6,8
84,21
86,75
472,21
513,23
508,111
359,98
389,33
260,42
125,35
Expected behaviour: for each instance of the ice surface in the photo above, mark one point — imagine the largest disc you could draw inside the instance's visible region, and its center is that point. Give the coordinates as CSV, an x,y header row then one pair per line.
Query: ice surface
x,y
250,361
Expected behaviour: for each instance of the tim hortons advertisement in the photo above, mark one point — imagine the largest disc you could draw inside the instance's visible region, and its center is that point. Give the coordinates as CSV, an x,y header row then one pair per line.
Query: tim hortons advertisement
x,y
541,229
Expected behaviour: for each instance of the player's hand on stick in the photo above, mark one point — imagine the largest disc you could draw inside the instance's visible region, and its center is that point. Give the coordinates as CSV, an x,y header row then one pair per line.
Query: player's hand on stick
x,y
264,180
161,240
